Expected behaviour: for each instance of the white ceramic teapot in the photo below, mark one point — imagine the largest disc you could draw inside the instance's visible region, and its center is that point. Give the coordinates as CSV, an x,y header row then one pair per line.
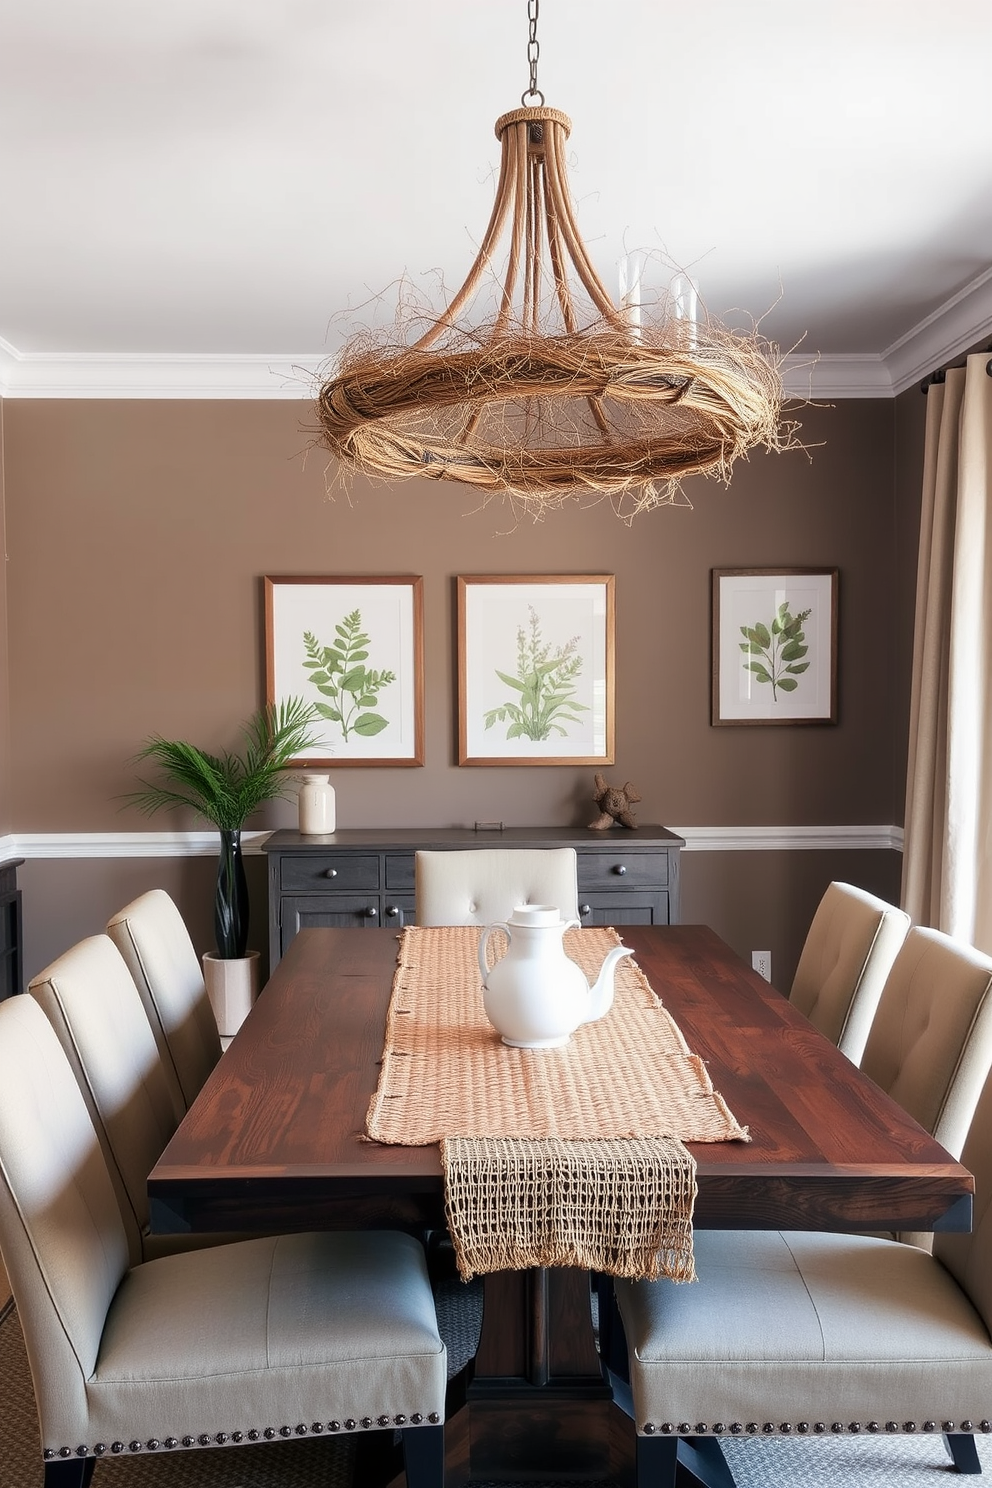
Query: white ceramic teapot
x,y
535,996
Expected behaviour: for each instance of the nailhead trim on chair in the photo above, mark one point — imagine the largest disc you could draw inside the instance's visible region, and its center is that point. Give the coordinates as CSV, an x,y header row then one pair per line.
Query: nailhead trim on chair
x,y
803,1428
268,1433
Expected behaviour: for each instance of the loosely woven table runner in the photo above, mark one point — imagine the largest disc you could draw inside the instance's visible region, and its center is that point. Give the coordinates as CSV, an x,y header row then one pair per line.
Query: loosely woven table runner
x,y
570,1156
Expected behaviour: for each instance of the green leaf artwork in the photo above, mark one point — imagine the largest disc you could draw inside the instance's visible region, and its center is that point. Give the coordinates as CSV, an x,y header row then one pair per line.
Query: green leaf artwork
x,y
775,652
544,687
339,673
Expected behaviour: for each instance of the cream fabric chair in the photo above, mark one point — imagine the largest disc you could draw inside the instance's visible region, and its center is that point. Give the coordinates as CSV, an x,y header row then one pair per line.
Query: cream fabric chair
x,y
132,1095
152,938
289,1336
484,884
852,942
930,1045
811,1333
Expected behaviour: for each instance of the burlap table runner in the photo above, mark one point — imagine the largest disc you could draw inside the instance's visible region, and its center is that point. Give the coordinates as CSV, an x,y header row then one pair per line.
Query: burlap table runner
x,y
569,1156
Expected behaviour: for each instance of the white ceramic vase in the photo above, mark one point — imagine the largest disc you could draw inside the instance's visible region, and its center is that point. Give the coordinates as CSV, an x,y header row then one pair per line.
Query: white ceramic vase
x,y
317,806
232,986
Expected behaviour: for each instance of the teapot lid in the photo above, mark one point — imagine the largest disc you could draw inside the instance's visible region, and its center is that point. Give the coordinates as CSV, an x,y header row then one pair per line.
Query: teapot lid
x,y
535,915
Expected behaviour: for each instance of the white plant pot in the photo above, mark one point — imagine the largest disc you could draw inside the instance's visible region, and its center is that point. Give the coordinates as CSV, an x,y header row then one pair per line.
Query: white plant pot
x,y
232,987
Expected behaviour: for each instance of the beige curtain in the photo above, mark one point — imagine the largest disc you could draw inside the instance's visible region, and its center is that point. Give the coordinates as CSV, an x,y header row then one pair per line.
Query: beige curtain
x,y
947,861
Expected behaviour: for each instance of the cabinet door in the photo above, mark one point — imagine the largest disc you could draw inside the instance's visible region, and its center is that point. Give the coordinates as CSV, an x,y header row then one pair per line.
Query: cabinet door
x,y
336,911
641,908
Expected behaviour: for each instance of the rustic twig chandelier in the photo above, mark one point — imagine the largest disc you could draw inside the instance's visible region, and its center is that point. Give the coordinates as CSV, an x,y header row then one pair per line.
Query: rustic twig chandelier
x,y
559,392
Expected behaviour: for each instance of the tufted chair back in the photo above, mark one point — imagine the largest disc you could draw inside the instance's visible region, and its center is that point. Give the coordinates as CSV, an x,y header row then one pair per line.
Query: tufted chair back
x,y
64,1242
133,1098
152,938
930,1045
852,942
485,884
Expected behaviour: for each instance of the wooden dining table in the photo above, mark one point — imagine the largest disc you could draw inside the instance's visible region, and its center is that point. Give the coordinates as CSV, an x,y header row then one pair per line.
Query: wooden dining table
x,y
276,1141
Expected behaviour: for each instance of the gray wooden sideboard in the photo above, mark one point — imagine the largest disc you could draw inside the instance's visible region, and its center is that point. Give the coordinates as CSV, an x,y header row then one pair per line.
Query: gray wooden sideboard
x,y
365,877
11,933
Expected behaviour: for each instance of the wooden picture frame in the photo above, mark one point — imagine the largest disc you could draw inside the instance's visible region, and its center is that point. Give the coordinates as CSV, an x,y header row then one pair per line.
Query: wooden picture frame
x,y
536,669
354,647
774,645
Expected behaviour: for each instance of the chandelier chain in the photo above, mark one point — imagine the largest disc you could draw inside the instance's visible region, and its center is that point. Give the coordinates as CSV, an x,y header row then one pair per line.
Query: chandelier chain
x,y
533,51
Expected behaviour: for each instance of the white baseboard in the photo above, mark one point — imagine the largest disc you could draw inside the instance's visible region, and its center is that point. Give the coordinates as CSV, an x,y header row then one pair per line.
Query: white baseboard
x,y
204,844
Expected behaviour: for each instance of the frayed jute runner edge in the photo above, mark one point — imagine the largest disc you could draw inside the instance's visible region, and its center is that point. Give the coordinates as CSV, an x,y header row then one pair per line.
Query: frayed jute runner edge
x,y
622,1206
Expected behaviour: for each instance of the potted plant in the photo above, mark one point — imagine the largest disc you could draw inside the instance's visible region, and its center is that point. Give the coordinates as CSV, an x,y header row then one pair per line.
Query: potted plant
x,y
225,789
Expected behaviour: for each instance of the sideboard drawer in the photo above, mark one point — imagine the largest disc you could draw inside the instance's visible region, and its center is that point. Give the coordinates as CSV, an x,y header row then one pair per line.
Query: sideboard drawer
x,y
617,869
305,874
401,871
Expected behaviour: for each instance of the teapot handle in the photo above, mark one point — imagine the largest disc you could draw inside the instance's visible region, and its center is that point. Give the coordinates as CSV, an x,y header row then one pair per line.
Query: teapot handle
x,y
484,941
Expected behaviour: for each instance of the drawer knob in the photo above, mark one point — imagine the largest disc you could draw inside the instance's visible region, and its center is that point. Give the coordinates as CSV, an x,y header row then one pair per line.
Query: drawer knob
x,y
585,909
620,868
372,911
330,873
393,911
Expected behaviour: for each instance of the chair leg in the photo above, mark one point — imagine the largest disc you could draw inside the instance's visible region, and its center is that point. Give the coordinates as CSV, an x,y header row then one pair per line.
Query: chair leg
x,y
964,1453
423,1456
703,1456
656,1461
612,1340
69,1472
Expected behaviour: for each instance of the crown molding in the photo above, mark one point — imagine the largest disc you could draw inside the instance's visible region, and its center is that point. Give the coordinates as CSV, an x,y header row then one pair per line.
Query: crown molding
x,y
103,375
953,328
948,331
204,844
834,376
170,375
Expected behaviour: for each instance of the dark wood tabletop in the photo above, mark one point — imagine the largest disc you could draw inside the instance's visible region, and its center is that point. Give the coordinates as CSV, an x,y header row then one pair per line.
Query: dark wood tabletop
x,y
276,1137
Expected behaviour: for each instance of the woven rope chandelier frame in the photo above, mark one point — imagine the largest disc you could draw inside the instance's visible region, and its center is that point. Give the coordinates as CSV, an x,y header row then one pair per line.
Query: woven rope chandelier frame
x,y
560,392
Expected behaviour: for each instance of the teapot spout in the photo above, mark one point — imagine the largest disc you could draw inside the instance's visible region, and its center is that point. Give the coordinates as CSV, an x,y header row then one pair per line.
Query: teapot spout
x,y
601,995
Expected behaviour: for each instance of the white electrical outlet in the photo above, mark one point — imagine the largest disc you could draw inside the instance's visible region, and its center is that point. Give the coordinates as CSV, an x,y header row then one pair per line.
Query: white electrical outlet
x,y
762,963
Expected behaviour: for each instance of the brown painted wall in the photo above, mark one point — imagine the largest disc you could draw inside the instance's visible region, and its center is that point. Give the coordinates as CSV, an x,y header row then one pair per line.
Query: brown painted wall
x,y
138,533
5,791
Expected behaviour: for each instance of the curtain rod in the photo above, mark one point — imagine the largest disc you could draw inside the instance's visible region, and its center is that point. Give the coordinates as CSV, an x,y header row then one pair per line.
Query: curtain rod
x,y
941,373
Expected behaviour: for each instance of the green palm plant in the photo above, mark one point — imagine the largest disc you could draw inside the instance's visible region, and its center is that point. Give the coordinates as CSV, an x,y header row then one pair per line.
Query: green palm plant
x,y
225,789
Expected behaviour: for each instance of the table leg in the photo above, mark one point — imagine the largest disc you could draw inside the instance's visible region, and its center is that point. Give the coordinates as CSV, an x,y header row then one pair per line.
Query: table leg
x,y
537,1406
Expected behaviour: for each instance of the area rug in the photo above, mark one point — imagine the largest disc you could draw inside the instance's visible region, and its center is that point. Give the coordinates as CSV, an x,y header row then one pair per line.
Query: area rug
x,y
854,1462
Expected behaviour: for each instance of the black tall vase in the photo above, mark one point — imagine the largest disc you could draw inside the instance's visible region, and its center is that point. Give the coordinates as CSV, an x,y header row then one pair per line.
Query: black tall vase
x,y
231,903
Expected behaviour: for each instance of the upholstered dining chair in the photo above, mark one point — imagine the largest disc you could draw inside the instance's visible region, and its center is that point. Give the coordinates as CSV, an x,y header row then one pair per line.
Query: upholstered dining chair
x,y
294,1335
484,884
810,1334
930,1045
151,935
132,1095
849,949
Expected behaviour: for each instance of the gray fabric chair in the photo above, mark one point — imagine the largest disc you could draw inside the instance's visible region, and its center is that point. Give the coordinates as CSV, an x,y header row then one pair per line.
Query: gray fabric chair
x,y
484,884
268,1338
132,1095
152,938
811,1333
852,942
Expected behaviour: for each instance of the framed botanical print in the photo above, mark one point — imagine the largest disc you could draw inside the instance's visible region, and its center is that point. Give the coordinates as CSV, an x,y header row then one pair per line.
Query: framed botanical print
x,y
354,648
535,669
774,645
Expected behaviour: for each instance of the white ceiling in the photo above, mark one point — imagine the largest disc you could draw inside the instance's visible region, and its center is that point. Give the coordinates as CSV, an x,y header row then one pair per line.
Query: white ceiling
x,y
192,192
